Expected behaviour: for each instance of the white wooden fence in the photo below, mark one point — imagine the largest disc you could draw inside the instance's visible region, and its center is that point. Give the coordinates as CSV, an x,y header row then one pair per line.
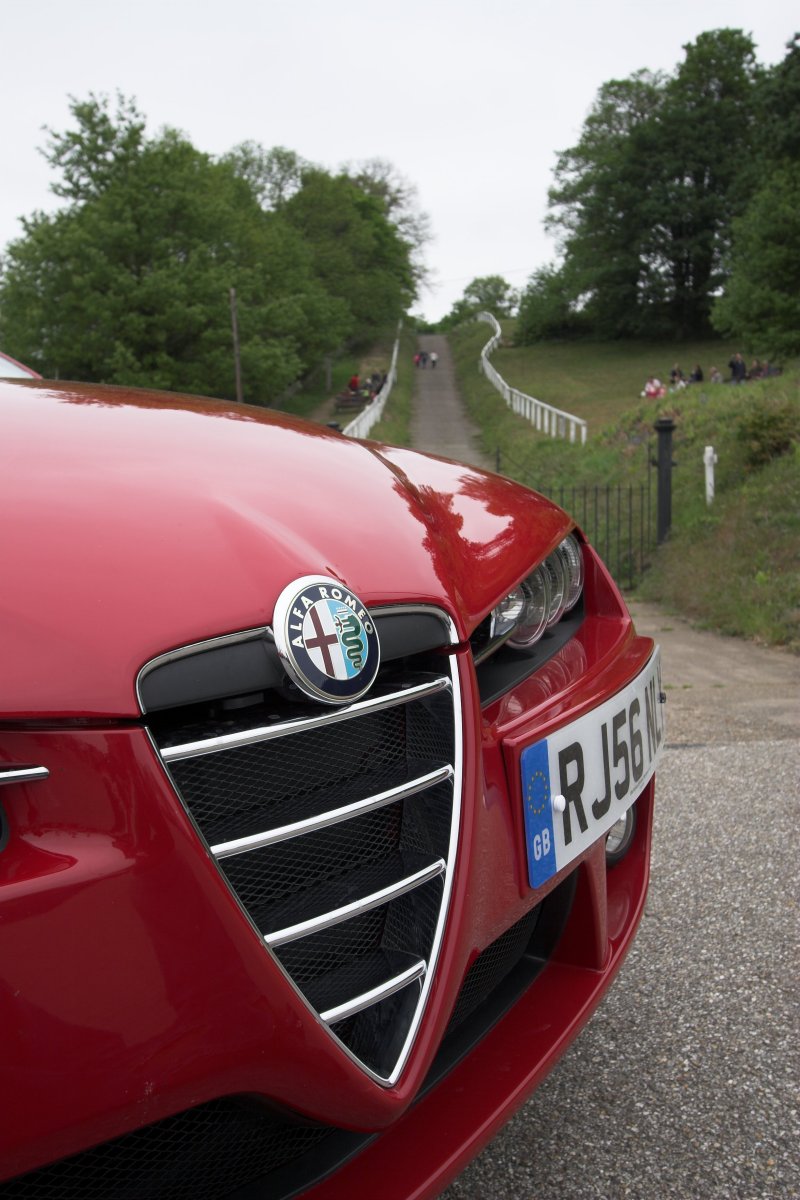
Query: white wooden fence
x,y
360,426
542,416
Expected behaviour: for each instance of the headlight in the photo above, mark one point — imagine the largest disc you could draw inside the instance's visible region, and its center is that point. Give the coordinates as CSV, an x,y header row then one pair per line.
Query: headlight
x,y
508,613
570,554
535,605
537,609
554,566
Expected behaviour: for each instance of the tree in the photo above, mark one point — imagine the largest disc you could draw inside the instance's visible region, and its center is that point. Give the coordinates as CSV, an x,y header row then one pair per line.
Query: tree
x,y
358,255
399,200
99,148
599,206
644,201
130,283
761,304
761,301
780,93
707,154
486,293
546,310
273,175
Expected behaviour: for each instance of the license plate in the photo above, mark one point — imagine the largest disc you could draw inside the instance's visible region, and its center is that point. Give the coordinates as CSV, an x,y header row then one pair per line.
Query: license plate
x,y
584,777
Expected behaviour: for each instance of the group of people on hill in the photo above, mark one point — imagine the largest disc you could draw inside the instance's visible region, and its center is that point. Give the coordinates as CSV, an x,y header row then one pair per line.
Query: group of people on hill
x,y
368,387
740,373
423,358
758,369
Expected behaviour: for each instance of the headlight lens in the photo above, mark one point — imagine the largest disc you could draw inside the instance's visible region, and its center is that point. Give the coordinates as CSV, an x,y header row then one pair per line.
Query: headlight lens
x,y
537,609
570,554
554,566
535,605
508,613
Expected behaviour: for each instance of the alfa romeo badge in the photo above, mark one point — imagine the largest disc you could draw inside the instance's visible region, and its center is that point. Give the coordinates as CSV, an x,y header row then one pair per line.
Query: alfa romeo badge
x,y
326,640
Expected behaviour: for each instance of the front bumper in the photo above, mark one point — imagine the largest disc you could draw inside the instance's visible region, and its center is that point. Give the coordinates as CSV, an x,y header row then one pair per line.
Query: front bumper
x,y
137,991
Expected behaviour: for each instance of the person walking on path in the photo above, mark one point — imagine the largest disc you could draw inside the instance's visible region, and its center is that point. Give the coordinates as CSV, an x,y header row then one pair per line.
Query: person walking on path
x,y
440,424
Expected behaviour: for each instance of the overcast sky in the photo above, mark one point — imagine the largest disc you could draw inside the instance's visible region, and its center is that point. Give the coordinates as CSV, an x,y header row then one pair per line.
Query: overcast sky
x,y
469,99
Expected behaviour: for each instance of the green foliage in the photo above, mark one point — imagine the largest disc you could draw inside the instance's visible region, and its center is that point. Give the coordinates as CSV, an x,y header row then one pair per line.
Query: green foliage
x,y
780,116
358,255
131,285
769,428
486,293
399,204
644,201
273,175
735,568
131,282
546,310
98,149
762,301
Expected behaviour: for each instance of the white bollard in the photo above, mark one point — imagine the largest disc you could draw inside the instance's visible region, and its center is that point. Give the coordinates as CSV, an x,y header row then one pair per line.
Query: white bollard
x,y
709,458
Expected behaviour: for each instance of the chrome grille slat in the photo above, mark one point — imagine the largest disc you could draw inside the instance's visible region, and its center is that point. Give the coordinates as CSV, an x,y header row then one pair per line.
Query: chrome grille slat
x,y
335,916
374,995
283,833
342,828
285,729
10,775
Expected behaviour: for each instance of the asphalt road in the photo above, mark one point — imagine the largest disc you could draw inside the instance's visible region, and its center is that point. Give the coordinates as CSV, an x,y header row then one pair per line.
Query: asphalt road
x,y
685,1082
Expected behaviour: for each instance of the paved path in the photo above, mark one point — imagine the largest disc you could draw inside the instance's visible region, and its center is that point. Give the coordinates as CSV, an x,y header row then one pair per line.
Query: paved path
x,y
440,423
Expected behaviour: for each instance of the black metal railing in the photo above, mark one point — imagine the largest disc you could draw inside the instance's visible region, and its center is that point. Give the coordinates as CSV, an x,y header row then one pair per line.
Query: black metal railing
x,y
619,519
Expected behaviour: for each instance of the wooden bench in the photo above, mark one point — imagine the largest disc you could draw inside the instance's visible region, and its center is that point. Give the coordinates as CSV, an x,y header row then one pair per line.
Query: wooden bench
x,y
347,401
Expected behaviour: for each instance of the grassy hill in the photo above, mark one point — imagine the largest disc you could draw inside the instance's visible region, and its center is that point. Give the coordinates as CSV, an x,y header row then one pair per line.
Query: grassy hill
x,y
734,566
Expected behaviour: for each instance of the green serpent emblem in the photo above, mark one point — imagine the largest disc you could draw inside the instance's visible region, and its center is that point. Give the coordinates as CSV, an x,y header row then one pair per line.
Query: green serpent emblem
x,y
351,639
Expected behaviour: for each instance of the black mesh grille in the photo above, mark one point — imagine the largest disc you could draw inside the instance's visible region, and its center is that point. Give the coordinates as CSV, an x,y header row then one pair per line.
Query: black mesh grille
x,y
332,871
201,1154
492,966
242,791
289,868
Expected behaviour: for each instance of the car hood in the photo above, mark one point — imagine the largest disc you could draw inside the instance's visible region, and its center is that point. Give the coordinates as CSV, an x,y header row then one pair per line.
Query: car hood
x,y
136,522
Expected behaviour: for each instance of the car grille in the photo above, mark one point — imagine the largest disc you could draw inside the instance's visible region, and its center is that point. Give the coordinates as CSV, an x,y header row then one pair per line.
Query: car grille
x,y
336,830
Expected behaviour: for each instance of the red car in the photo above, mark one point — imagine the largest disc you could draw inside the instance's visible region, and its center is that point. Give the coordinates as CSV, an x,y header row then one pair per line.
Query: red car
x,y
326,779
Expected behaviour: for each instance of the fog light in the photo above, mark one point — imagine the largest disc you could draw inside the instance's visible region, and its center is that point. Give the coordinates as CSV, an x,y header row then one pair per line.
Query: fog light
x,y
620,836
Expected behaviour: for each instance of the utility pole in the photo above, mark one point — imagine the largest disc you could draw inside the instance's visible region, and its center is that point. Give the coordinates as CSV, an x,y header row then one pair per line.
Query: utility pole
x,y
236,358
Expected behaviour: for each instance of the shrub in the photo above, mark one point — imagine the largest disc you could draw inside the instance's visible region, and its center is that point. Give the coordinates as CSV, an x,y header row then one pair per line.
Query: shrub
x,y
767,430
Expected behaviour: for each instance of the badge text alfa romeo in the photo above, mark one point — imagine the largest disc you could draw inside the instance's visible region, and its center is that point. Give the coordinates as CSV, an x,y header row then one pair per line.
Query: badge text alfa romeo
x,y
326,640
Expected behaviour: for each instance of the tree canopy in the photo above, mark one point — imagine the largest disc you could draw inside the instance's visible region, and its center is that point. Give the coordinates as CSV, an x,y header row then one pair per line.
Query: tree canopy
x,y
761,301
651,201
486,293
130,281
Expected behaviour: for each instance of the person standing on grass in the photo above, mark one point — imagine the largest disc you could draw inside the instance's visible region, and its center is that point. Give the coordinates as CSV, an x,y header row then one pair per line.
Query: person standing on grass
x,y
738,369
